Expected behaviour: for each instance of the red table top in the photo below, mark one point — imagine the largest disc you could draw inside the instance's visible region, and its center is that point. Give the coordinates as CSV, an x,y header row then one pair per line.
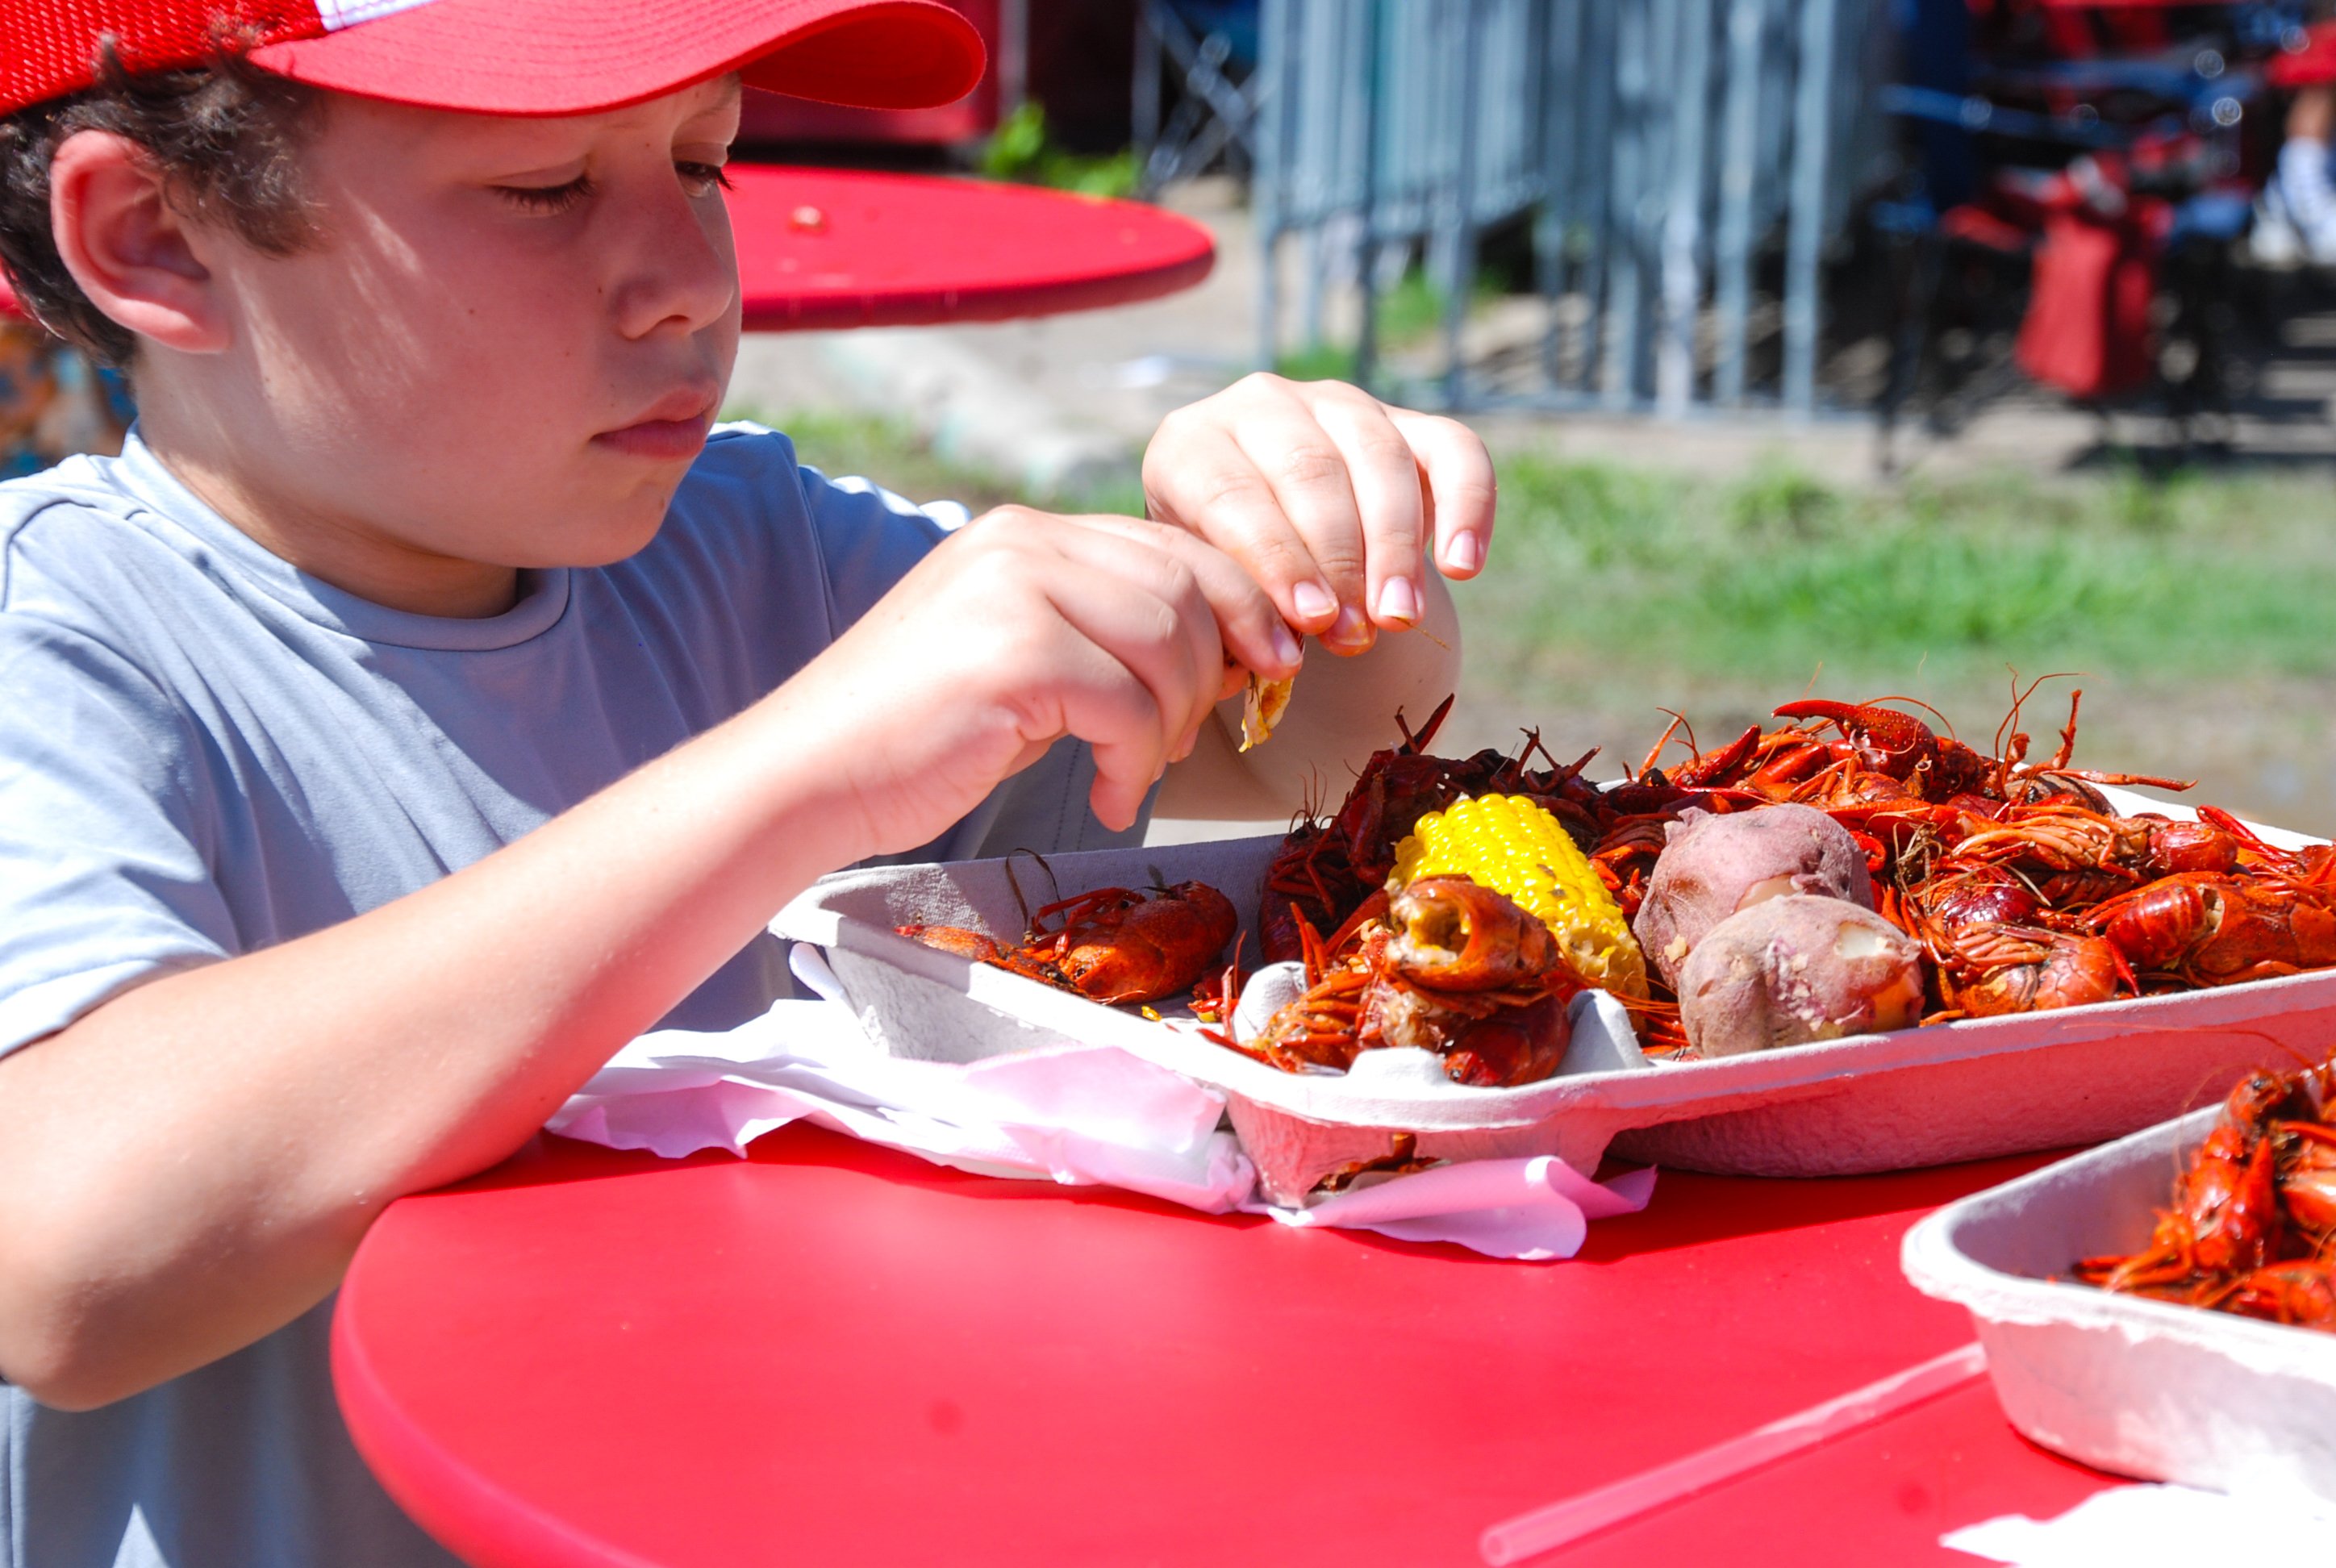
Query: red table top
x,y
827,248
832,1353
824,248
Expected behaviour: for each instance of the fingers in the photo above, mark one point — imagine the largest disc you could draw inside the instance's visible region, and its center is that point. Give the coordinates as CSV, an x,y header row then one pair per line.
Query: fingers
x,y
1169,584
1020,628
1463,492
1329,498
1127,629
1121,721
1383,473
1254,633
1158,626
1200,476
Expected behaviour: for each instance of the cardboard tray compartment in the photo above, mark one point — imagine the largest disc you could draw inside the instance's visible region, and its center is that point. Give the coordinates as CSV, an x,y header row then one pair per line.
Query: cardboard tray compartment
x,y
1961,1091
2140,1388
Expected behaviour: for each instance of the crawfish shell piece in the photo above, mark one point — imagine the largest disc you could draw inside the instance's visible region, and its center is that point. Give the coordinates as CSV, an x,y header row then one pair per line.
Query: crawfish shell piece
x,y
957,940
1514,1046
1263,704
1488,1039
1455,935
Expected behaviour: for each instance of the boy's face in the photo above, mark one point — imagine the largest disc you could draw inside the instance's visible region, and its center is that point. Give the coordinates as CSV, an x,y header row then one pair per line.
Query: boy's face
x,y
507,343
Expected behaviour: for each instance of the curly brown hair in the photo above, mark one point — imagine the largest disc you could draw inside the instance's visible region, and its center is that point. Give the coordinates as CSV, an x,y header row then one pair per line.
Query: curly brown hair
x,y
227,138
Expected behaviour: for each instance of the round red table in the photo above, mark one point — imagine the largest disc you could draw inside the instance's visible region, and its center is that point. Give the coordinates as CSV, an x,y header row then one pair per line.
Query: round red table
x,y
828,247
833,1353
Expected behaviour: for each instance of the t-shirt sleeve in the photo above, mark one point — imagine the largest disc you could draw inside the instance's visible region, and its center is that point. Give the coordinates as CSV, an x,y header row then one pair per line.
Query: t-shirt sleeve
x,y
870,538
103,878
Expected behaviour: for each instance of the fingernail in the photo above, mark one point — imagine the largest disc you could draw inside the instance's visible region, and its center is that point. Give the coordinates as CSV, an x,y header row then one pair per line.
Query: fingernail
x,y
1351,629
1464,553
1399,600
1285,646
1313,601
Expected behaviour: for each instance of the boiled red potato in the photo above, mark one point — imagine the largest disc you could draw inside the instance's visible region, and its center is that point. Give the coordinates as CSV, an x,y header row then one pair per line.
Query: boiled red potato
x,y
1797,968
1713,866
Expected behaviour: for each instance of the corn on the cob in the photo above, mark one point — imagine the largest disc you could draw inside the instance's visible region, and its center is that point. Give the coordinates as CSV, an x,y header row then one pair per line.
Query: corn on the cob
x,y
1512,844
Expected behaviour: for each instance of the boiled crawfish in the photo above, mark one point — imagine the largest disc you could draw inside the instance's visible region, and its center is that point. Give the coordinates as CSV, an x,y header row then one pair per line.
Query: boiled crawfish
x,y
1877,740
1447,966
2253,1219
1112,945
2060,837
2208,928
1987,968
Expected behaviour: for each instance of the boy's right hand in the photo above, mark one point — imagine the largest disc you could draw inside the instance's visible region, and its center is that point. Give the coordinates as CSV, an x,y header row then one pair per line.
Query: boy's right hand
x,y
1017,629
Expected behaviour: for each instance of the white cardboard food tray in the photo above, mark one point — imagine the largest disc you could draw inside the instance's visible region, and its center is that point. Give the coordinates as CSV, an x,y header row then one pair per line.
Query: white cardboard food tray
x,y
2142,1387
1960,1091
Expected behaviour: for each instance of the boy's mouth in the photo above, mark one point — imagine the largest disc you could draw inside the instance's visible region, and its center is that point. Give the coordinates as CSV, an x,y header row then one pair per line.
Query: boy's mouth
x,y
672,429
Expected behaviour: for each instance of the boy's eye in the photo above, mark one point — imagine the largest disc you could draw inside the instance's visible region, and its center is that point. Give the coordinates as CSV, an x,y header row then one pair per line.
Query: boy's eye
x,y
548,198
701,178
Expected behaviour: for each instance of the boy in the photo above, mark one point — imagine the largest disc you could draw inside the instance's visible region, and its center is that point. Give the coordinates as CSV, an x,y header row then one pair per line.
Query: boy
x,y
425,702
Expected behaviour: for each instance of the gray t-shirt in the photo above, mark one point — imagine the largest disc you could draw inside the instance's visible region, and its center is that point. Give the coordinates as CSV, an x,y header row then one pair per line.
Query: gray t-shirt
x,y
204,752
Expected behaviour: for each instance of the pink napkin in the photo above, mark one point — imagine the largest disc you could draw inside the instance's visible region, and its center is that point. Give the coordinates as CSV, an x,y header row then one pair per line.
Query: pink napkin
x,y
1078,1114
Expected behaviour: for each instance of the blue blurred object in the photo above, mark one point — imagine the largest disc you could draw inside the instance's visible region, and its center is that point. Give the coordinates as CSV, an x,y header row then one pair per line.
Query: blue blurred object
x,y
1209,50
1936,38
1234,21
54,402
2220,216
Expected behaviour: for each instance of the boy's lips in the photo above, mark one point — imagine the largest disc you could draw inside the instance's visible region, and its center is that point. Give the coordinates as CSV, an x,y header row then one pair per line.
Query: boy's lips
x,y
673,429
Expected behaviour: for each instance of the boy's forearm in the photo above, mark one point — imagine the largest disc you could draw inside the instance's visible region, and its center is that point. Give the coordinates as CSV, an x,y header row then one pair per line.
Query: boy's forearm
x,y
190,1165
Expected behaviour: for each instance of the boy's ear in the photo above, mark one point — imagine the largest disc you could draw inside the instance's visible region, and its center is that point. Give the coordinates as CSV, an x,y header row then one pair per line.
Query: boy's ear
x,y
127,247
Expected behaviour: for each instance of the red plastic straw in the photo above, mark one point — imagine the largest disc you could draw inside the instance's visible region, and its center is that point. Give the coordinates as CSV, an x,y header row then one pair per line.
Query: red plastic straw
x,y
1560,1524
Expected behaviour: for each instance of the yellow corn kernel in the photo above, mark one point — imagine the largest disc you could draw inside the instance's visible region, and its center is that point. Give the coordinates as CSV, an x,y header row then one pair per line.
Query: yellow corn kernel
x,y
1513,844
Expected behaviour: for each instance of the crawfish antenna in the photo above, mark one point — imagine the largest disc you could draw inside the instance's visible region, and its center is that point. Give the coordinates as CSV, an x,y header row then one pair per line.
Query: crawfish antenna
x,y
2069,736
1413,744
1021,902
1533,743
1662,741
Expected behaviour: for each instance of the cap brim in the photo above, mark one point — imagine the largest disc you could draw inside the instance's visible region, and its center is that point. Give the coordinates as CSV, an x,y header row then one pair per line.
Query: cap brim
x,y
583,56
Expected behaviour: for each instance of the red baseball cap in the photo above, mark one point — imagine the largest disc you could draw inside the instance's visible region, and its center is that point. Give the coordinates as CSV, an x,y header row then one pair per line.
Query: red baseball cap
x,y
509,56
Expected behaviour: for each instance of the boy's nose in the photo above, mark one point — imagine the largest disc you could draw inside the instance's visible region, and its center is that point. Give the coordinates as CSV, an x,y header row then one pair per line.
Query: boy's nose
x,y
679,269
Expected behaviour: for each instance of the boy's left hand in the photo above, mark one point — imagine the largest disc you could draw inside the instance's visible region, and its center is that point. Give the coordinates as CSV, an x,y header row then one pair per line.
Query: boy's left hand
x,y
1329,497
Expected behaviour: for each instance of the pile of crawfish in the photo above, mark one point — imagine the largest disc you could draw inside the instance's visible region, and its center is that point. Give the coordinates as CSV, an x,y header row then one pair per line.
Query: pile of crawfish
x,y
2252,1229
2024,888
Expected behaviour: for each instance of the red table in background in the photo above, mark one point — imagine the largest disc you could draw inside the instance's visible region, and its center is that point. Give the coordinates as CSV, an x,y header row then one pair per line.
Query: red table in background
x,y
833,1353
828,247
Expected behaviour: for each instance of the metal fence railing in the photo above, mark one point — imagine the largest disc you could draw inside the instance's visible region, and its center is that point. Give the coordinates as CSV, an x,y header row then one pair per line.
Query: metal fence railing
x,y
1676,166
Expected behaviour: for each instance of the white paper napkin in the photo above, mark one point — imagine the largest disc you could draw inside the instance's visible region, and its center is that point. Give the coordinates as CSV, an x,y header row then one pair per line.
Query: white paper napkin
x,y
2155,1526
1078,1114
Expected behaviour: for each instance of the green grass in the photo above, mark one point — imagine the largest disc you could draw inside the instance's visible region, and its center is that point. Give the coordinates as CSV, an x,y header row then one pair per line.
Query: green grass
x,y
1764,578
1020,149
1754,583
1409,313
2197,608
892,453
